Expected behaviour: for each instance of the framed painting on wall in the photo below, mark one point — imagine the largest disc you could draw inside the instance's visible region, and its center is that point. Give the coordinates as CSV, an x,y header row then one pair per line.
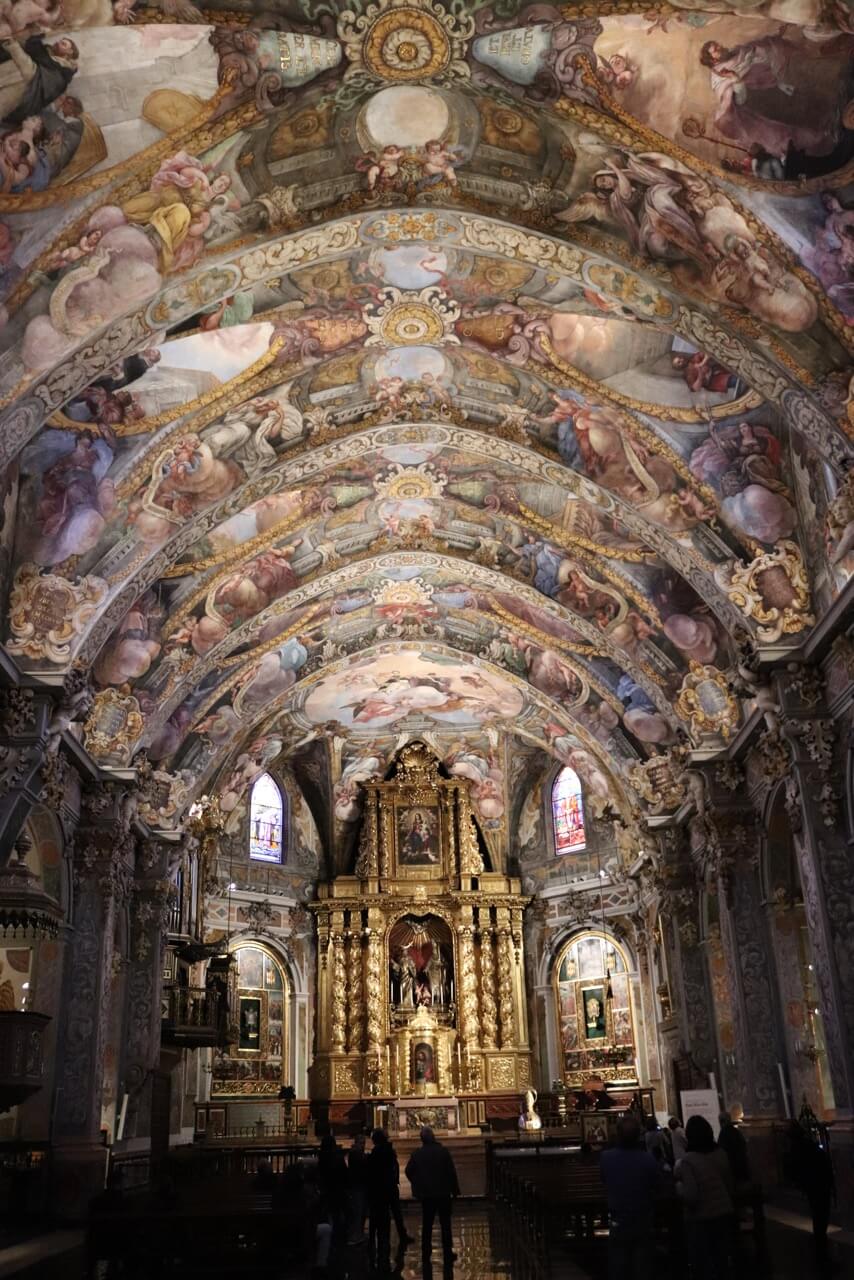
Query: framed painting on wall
x,y
417,833
252,1022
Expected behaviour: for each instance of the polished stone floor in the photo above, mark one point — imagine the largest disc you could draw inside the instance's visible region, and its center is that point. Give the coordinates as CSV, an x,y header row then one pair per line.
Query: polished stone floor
x,y
484,1252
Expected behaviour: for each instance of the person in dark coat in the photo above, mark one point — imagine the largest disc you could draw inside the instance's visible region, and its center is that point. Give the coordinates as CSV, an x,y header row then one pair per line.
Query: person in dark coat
x,y
332,1175
382,1178
128,370
632,1180
357,1169
433,1176
810,1168
33,75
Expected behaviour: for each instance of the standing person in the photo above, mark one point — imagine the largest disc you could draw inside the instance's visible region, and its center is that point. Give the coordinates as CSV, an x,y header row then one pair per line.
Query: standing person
x,y
403,1236
678,1141
810,1168
433,1176
653,1138
631,1177
731,1140
357,1170
705,1185
382,1178
332,1175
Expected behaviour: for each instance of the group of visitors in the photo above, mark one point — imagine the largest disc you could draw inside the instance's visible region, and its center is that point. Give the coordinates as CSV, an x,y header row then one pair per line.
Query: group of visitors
x,y
711,1178
360,1186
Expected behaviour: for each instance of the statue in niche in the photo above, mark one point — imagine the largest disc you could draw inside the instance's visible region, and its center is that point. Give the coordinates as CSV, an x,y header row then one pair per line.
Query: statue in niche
x,y
420,964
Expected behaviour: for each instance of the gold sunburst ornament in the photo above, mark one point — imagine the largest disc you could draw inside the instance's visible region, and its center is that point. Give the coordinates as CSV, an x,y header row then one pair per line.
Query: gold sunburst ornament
x,y
403,40
402,319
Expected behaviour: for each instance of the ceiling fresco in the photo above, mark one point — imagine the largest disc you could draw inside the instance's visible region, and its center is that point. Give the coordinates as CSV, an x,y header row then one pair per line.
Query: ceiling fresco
x,y
410,368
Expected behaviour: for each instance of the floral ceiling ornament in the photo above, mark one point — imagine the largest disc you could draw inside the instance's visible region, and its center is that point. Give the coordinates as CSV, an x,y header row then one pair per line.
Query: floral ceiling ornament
x,y
423,481
706,702
407,319
406,40
414,594
47,613
773,590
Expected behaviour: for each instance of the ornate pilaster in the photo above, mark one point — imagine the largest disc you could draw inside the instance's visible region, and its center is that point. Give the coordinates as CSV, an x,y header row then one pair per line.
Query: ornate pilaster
x,y
355,993
488,1006
734,846
825,863
338,1002
689,979
104,852
24,720
506,1010
153,895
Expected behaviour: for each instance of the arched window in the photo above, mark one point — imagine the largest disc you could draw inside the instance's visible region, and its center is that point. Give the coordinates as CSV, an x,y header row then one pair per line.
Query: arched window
x,y
266,821
568,812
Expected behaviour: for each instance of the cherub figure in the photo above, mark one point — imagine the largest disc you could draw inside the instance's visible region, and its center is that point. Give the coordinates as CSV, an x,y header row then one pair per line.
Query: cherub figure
x,y
438,163
382,171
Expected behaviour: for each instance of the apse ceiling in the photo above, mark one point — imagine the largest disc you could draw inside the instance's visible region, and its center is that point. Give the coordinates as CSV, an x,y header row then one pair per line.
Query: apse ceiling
x,y
474,372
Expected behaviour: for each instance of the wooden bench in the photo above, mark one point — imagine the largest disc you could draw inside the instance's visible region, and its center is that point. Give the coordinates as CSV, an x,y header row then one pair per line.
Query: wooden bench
x,y
229,1229
552,1206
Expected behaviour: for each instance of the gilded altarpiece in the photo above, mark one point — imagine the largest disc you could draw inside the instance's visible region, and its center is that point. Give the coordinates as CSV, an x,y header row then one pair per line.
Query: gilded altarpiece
x,y
420,953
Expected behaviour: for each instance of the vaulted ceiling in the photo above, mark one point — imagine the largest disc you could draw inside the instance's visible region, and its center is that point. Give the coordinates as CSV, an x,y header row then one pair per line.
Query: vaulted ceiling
x,y
478,372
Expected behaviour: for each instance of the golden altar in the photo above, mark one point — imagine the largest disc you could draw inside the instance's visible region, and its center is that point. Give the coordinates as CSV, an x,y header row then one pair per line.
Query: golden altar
x,y
420,957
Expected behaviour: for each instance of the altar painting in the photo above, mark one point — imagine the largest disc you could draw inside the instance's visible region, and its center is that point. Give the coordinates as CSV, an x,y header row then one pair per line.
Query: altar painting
x,y
418,835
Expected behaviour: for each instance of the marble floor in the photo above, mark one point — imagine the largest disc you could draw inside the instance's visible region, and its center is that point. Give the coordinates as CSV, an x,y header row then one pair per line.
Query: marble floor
x,y
484,1253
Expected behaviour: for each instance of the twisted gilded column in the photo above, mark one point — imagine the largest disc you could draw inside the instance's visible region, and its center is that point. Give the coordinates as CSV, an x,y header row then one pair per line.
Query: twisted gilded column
x,y
506,1010
373,984
468,982
488,1007
338,1003
355,995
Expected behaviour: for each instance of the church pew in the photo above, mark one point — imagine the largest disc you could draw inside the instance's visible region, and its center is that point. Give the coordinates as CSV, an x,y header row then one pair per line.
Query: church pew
x,y
225,1227
550,1206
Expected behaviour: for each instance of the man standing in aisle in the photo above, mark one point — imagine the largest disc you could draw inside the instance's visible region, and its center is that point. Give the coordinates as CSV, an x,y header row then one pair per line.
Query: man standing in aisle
x,y
433,1177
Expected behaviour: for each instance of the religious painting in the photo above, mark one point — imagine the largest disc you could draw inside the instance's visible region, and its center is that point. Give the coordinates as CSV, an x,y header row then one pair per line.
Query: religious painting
x,y
421,967
423,1068
418,835
593,1008
250,1024
594,1131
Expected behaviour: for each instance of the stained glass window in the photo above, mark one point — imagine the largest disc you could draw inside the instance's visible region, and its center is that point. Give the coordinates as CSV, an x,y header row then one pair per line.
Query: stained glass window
x,y
568,812
266,821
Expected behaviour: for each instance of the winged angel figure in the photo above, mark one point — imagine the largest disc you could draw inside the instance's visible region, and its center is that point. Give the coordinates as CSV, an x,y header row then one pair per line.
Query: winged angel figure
x,y
668,214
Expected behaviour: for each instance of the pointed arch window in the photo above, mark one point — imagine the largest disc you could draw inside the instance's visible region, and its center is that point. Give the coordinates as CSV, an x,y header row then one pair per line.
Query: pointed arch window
x,y
266,821
568,813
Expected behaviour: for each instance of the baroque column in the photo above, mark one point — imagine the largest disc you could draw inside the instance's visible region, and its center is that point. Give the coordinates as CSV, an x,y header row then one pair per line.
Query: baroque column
x,y
468,1003
355,992
374,987
689,977
337,1002
825,862
506,958
154,893
488,1007
103,863
733,843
